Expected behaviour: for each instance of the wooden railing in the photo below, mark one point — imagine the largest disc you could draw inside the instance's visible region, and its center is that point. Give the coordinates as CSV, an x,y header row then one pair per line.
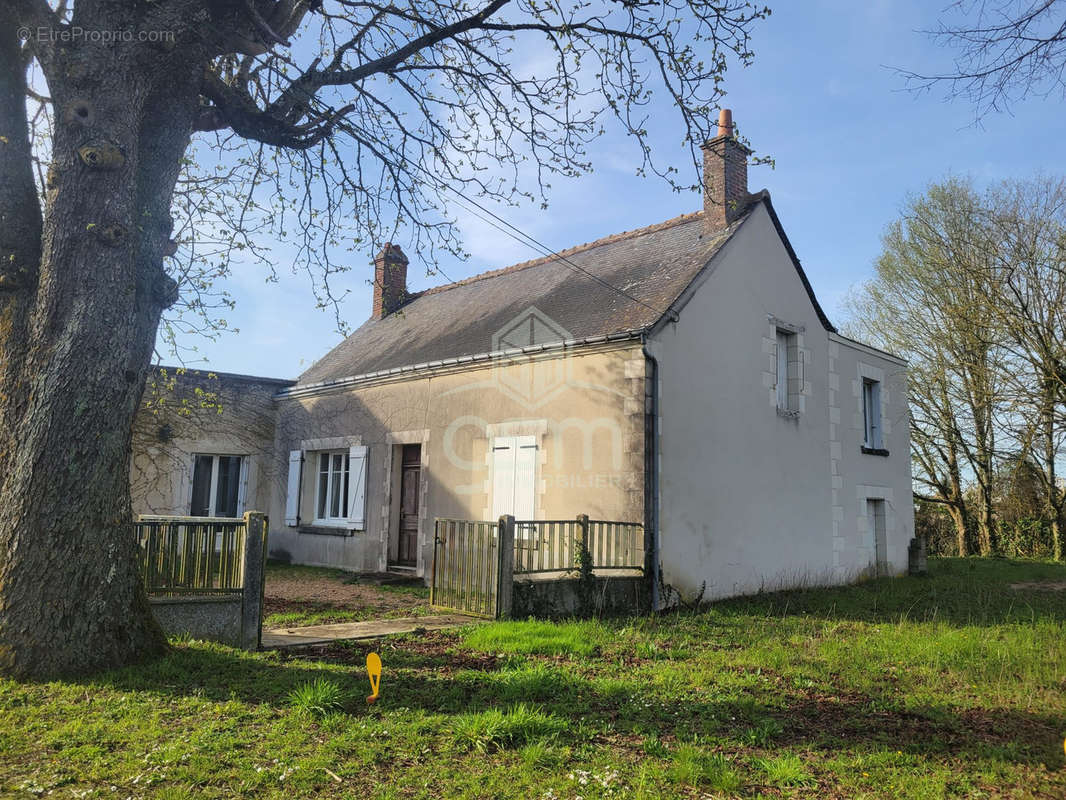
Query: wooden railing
x,y
200,555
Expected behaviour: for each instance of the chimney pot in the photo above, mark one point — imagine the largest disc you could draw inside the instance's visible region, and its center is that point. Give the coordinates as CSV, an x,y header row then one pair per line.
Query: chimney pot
x,y
725,122
725,176
390,280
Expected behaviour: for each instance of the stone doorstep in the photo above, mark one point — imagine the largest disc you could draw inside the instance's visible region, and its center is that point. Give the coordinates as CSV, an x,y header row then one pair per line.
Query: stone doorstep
x,y
371,629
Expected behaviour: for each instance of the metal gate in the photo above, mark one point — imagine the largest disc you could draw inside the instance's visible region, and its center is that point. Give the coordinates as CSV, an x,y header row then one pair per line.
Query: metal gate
x,y
466,567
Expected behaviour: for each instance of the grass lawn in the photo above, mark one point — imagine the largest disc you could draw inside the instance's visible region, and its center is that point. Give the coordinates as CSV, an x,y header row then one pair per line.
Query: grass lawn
x,y
949,686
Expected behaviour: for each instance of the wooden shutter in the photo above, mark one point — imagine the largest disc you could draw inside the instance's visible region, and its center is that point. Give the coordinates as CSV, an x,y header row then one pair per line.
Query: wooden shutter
x,y
357,487
514,476
292,490
525,477
503,463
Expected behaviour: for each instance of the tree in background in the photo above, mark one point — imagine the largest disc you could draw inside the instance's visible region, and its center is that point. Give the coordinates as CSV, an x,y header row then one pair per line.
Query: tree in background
x,y
971,288
1022,527
339,120
1006,51
1028,221
933,272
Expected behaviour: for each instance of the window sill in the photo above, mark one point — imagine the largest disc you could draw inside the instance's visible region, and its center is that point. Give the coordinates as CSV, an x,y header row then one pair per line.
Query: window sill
x,y
787,413
873,451
325,530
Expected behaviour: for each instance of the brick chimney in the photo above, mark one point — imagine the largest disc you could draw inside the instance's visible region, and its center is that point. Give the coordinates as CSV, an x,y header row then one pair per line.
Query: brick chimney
x,y
725,176
390,280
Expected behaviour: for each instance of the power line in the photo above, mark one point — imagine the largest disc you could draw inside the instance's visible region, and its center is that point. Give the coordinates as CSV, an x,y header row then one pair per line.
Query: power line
x,y
530,241
548,252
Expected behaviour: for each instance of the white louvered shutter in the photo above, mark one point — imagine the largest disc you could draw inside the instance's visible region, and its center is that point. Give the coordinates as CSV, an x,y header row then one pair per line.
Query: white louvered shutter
x,y
292,489
514,474
357,487
525,476
503,461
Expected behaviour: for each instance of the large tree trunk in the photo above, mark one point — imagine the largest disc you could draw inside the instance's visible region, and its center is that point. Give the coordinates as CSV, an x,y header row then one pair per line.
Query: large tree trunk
x,y
77,331
958,519
1053,498
986,522
956,497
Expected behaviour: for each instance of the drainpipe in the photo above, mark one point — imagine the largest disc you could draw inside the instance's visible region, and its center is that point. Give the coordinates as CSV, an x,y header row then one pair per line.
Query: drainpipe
x,y
651,472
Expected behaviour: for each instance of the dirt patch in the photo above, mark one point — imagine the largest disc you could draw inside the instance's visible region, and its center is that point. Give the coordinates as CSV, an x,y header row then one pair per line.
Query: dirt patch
x,y
432,650
305,590
1040,586
337,593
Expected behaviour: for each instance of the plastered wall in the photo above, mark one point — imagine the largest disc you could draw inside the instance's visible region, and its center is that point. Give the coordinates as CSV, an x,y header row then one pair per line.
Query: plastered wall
x,y
585,411
749,499
190,412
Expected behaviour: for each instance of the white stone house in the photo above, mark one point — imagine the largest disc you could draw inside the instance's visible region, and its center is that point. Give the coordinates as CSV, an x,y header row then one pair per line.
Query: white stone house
x,y
682,375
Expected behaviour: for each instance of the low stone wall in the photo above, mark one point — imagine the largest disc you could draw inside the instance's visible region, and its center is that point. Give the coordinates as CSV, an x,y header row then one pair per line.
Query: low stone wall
x,y
555,595
216,618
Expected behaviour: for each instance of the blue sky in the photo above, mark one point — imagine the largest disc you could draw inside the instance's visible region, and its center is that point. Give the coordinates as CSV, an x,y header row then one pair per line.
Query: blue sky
x,y
820,98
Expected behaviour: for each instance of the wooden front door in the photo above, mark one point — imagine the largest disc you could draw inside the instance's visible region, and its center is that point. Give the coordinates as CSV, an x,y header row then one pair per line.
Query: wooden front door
x,y
410,480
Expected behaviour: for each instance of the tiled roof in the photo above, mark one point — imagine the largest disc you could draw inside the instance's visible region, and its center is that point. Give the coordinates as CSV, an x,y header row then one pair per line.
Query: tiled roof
x,y
478,315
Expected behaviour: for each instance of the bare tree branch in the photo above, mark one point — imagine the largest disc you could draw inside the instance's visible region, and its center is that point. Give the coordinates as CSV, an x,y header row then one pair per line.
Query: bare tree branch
x,y
1007,51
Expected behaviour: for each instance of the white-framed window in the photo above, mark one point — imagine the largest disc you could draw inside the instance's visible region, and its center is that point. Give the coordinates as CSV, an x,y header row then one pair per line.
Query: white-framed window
x,y
335,484
218,485
331,487
871,414
788,372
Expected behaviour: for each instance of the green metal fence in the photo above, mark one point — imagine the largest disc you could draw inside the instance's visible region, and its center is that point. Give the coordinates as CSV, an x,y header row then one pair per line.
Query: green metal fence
x,y
198,555
555,545
474,563
547,546
616,545
466,567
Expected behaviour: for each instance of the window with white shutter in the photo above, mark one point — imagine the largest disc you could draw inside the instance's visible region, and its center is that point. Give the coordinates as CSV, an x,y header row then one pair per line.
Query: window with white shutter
x,y
331,486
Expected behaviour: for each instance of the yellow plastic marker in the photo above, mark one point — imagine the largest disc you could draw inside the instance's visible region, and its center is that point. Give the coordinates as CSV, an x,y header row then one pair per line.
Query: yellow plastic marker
x,y
373,669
